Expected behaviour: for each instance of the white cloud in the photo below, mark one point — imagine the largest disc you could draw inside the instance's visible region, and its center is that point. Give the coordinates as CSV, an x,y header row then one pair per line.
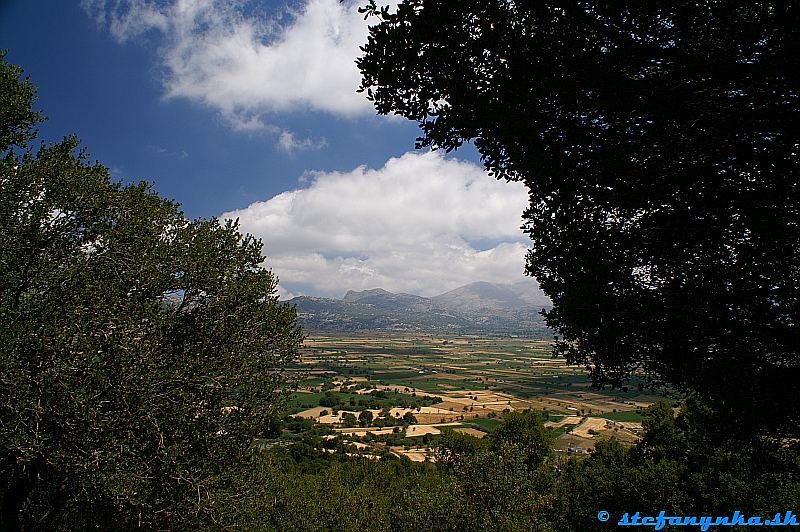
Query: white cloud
x,y
289,143
242,64
408,226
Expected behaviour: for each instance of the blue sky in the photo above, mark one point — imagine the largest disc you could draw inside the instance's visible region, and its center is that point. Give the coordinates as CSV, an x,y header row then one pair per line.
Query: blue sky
x,y
249,109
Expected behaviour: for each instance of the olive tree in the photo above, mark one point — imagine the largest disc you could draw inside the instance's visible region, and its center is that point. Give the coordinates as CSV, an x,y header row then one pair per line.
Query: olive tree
x,y
139,349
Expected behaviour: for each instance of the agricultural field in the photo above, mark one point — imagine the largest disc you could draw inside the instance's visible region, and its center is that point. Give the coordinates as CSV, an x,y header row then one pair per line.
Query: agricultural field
x,y
379,390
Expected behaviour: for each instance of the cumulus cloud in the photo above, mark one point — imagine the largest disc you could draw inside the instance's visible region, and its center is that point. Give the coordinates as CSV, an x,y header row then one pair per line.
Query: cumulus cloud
x,y
229,56
421,224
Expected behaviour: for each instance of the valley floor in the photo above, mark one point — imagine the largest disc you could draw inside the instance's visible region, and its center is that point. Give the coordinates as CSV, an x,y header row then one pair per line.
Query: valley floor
x,y
390,392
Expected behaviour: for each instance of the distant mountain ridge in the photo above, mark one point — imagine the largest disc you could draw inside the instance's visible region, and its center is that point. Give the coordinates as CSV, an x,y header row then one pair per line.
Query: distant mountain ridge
x,y
380,298
492,296
476,308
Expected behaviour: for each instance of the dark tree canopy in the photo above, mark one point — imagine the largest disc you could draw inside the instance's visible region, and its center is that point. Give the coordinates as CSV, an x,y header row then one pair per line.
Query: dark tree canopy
x,y
138,348
659,142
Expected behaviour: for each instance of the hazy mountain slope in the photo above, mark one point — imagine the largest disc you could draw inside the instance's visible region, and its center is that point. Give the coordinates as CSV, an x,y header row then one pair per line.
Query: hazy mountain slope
x,y
487,297
380,298
477,308
376,314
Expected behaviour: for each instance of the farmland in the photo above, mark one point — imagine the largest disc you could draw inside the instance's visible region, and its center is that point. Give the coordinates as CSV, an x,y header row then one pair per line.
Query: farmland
x,y
398,392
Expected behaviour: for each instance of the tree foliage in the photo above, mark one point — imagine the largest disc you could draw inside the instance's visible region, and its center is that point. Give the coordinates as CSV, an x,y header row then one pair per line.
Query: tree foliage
x,y
138,348
659,143
17,117
490,483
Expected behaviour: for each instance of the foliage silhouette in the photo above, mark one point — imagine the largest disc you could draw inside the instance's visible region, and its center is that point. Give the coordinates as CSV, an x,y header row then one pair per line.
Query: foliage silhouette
x,y
659,143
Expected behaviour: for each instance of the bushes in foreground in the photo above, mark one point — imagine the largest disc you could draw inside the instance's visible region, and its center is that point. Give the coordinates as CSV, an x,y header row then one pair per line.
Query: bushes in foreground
x,y
509,481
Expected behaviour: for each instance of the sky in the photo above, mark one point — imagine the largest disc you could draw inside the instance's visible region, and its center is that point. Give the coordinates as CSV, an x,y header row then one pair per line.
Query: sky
x,y
250,109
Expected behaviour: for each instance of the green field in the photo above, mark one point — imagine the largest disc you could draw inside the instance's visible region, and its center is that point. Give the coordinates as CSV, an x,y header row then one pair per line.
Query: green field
x,y
524,370
628,415
352,401
483,423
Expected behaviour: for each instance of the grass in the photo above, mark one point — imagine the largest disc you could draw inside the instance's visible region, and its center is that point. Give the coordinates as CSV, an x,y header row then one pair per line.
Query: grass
x,y
482,423
625,415
301,401
395,375
313,381
558,431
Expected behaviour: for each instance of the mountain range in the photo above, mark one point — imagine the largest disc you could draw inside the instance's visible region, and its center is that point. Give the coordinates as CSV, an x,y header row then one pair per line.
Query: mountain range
x,y
476,308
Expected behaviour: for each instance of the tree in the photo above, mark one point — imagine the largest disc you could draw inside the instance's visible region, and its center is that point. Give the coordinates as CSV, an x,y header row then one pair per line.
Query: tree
x,y
523,433
684,465
138,348
349,420
454,449
659,145
17,117
330,399
365,418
